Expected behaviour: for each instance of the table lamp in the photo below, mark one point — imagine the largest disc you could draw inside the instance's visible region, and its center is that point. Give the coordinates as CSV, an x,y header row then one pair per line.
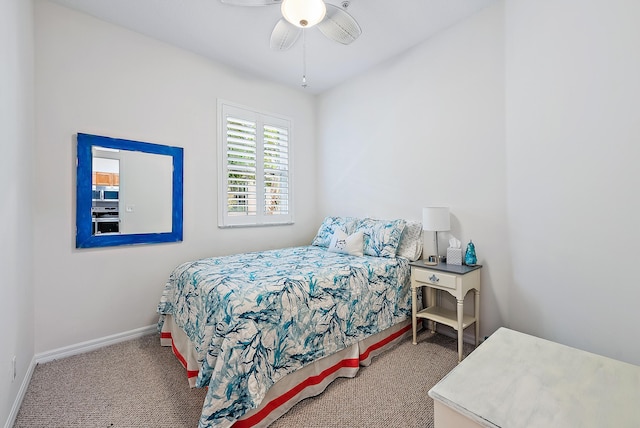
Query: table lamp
x,y
436,219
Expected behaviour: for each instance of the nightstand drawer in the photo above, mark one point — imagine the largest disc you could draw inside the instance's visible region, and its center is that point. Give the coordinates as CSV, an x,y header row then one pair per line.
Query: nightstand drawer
x,y
435,278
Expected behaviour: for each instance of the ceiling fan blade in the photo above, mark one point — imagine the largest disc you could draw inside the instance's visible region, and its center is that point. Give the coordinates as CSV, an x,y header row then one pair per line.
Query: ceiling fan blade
x,y
338,25
251,2
284,35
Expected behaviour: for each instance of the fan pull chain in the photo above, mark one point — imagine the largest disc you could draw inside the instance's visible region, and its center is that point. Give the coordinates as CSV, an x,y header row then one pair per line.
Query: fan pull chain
x,y
304,59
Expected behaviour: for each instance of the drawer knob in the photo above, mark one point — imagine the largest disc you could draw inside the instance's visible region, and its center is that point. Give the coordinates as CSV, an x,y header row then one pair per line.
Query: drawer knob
x,y
434,278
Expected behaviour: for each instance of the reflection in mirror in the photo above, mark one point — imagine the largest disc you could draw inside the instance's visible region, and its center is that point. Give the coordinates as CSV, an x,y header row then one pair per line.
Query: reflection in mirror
x,y
128,192
105,191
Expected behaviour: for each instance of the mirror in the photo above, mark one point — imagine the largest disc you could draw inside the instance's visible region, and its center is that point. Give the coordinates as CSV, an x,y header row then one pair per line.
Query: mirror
x,y
128,192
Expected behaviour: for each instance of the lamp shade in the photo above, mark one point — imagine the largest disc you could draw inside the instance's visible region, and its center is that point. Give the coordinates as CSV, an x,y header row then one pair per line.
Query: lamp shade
x,y
303,13
435,219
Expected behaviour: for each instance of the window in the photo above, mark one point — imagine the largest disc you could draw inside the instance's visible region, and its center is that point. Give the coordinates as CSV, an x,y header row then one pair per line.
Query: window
x,y
255,168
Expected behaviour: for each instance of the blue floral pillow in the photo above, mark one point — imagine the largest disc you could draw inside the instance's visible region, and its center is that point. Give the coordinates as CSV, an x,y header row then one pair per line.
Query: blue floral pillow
x,y
325,232
381,237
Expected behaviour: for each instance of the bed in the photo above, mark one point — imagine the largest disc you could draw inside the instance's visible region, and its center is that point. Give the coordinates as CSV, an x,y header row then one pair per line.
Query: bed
x,y
264,330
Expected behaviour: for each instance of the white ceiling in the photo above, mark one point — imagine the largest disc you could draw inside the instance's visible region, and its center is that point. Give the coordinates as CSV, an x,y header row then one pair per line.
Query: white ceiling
x,y
239,36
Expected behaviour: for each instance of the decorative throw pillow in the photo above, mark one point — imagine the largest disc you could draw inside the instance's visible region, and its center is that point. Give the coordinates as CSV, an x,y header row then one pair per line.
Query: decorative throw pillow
x,y
347,244
410,246
381,237
329,225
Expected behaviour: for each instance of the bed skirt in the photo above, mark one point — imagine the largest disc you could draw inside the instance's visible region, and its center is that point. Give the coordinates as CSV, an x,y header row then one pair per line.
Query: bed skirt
x,y
307,382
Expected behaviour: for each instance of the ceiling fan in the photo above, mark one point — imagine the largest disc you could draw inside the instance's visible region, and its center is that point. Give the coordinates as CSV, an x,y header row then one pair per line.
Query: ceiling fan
x,y
334,22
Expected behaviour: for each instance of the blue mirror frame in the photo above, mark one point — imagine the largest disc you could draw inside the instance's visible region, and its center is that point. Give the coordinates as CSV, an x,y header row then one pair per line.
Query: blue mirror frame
x,y
84,236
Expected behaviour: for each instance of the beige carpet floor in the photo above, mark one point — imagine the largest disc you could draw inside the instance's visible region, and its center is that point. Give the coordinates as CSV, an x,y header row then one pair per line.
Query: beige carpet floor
x,y
138,383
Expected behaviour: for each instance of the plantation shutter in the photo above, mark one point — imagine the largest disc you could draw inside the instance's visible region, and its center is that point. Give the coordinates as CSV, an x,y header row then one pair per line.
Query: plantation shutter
x,y
241,167
276,170
255,178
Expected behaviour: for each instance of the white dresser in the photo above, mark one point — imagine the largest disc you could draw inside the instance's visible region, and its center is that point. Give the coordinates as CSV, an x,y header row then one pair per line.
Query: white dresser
x,y
514,380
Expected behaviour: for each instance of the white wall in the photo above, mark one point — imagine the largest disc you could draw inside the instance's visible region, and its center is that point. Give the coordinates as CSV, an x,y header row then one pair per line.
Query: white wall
x,y
16,168
573,132
97,78
524,119
427,128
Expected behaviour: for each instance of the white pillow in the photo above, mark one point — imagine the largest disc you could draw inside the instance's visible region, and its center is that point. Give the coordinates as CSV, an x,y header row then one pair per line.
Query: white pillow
x,y
347,244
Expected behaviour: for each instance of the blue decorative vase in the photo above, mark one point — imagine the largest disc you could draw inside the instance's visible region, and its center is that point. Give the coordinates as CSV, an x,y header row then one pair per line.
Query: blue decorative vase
x,y
470,255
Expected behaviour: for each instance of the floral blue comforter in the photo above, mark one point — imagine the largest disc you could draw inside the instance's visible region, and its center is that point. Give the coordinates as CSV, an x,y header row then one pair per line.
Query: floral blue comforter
x,y
255,317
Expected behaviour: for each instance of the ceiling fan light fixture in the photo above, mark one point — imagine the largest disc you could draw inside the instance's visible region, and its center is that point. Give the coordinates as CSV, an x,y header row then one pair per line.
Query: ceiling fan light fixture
x,y
303,13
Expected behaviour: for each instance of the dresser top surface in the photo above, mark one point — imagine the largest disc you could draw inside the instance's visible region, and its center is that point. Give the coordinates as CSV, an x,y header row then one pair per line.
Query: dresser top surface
x,y
517,380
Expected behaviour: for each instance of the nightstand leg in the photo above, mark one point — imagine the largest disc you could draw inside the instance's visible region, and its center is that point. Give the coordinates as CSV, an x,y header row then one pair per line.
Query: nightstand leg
x,y
477,315
460,330
414,308
431,301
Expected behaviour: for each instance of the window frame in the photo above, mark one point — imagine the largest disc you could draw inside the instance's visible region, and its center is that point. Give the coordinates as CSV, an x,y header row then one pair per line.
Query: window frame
x,y
261,119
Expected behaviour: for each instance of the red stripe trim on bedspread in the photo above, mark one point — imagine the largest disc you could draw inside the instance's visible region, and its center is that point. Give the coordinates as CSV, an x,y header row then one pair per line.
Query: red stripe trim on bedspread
x,y
314,380
310,381
363,356
384,342
183,361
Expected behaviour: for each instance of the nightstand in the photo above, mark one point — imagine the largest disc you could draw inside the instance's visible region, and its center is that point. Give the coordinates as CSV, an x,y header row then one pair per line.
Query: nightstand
x,y
456,280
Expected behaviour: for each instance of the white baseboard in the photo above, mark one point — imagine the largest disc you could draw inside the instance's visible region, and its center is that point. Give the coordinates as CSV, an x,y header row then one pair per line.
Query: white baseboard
x,y
68,351
21,393
90,345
